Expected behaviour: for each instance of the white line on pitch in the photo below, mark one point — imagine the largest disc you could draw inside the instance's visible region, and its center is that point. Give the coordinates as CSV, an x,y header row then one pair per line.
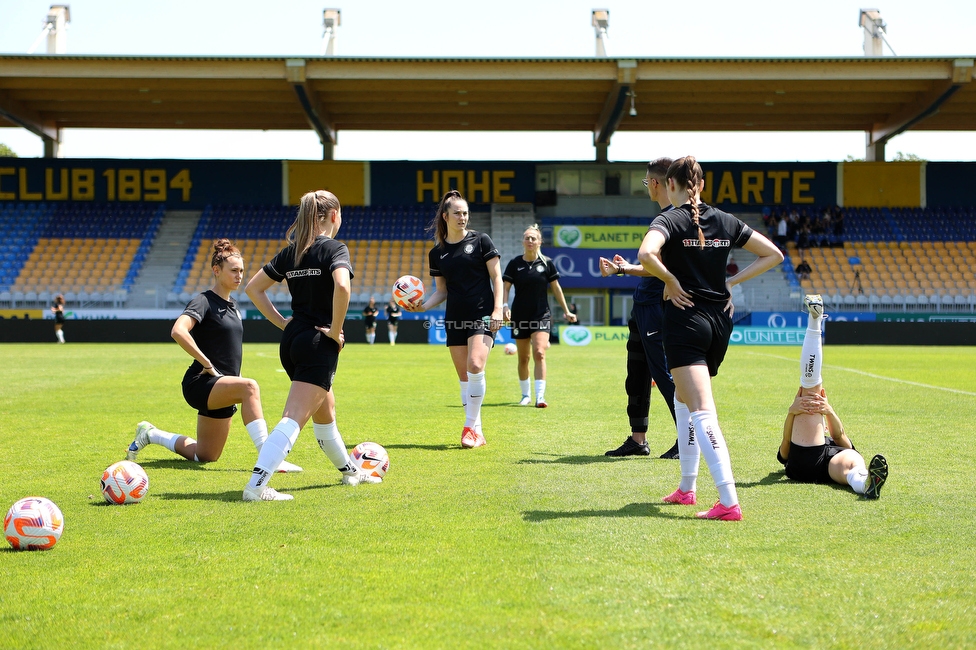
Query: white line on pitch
x,y
872,375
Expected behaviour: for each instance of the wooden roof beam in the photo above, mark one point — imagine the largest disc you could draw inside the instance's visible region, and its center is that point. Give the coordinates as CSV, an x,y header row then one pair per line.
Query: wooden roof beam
x,y
614,106
927,106
316,115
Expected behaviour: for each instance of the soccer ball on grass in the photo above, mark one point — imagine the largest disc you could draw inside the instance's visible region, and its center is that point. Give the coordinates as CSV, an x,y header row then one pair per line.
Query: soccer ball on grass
x,y
371,458
124,482
33,524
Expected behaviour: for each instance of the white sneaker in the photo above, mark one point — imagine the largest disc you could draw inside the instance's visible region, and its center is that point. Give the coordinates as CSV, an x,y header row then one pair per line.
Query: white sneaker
x,y
288,468
142,439
266,493
814,305
352,475
526,401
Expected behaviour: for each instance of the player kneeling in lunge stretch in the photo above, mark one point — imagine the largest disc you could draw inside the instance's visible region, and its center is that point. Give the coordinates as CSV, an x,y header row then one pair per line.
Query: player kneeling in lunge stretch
x,y
815,448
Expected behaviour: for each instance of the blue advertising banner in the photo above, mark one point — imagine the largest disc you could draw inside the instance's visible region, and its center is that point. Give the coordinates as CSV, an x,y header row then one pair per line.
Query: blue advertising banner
x,y
408,183
579,268
777,319
767,335
177,183
731,184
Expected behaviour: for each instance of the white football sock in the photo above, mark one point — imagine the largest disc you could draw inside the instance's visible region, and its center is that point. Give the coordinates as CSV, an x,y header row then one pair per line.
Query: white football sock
x,y
393,338
857,478
330,440
273,451
524,387
258,430
476,395
711,442
166,439
540,390
688,453
811,357
370,338
464,392
60,335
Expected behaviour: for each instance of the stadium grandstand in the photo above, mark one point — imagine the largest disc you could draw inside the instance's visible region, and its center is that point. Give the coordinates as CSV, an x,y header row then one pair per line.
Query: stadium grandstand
x,y
885,259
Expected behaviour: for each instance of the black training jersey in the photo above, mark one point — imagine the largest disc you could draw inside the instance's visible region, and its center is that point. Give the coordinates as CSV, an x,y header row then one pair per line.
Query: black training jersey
x,y
219,332
465,267
531,281
310,283
369,315
393,313
701,271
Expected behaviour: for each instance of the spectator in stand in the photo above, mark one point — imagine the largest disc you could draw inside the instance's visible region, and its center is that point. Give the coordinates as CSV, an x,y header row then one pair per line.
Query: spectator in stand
x,y
805,239
782,230
803,270
838,221
731,268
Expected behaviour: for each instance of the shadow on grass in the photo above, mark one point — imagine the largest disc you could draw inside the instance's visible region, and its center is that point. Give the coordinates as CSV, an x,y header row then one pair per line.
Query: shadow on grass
x,y
427,447
568,460
230,495
172,463
629,510
773,478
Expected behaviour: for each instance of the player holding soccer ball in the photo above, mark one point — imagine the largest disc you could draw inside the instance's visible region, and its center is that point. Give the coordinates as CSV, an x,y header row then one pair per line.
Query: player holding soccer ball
x,y
318,271
532,273
465,267
815,448
211,331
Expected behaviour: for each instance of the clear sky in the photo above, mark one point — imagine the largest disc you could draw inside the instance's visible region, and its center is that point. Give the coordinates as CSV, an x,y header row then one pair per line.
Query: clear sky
x,y
498,28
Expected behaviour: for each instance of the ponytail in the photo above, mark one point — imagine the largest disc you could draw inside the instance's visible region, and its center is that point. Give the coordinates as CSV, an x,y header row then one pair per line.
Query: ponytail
x,y
313,208
688,173
438,226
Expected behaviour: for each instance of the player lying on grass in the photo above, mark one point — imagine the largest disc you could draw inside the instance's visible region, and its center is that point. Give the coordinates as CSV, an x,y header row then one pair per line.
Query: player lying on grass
x,y
210,330
815,448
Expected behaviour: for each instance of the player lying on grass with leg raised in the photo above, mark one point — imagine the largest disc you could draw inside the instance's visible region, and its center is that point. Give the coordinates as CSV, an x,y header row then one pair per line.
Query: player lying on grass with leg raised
x,y
815,448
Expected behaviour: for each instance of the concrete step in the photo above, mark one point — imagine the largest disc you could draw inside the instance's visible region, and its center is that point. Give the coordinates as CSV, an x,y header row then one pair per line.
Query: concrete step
x,y
164,260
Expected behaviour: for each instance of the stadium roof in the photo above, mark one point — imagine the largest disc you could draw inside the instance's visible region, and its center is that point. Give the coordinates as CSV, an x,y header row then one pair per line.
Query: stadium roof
x,y
882,96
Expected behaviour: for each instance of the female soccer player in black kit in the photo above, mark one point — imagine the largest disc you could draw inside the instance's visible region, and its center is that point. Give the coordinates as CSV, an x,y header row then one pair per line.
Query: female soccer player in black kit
x,y
531,273
688,248
393,314
369,318
210,330
465,267
318,271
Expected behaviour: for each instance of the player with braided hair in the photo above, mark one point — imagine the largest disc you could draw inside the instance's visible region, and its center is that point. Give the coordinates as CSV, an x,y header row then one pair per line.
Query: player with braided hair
x,y
687,248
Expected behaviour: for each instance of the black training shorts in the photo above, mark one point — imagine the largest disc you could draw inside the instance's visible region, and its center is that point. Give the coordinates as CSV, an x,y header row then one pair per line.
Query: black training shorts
x,y
809,464
196,392
308,355
697,335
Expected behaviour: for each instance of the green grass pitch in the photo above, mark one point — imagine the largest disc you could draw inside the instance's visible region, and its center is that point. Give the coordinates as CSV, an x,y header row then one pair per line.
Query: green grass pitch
x,y
535,541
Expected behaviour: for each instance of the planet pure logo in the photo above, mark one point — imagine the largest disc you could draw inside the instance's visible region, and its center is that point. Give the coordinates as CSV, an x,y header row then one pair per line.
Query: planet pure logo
x,y
575,335
569,236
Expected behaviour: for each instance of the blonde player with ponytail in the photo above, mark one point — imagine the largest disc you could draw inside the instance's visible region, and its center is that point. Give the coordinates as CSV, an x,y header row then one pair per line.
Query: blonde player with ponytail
x,y
318,270
688,248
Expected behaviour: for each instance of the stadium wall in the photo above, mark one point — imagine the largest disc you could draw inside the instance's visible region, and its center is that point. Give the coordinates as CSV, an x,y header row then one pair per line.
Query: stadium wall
x,y
16,330
557,189
880,333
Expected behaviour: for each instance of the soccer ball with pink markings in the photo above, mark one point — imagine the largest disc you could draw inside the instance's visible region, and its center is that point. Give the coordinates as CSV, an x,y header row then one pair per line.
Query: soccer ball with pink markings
x,y
371,458
124,482
408,289
33,524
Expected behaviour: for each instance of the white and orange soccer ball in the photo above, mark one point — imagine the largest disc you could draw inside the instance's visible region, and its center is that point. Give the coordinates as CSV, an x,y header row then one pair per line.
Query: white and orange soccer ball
x,y
124,482
407,289
33,524
510,348
371,458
